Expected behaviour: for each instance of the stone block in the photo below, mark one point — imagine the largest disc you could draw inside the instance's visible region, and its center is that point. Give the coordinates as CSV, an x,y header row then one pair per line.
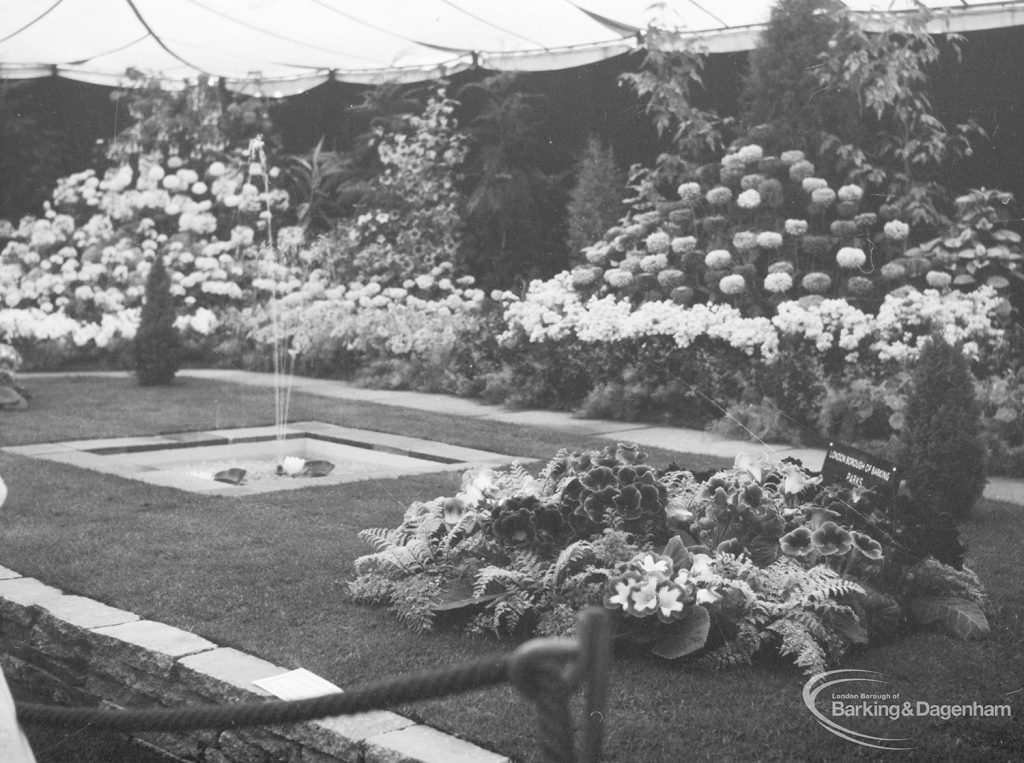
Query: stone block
x,y
150,646
423,744
226,674
342,736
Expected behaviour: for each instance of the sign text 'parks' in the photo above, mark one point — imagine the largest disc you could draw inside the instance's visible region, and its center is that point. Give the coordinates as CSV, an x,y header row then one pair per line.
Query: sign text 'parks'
x,y
859,468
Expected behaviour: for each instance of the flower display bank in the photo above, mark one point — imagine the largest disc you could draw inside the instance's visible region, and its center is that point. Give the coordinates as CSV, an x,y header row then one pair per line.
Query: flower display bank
x,y
721,567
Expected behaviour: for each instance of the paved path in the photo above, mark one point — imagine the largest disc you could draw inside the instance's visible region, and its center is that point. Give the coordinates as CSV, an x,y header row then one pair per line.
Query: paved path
x,y
670,438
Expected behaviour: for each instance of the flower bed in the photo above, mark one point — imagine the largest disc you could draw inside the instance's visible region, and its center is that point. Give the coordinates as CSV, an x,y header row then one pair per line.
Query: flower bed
x,y
723,566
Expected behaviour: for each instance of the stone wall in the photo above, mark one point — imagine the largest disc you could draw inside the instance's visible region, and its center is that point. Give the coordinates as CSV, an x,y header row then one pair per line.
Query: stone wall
x,y
81,652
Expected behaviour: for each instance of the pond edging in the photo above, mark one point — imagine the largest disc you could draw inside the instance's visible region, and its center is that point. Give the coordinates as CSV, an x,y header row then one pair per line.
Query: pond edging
x,y
82,652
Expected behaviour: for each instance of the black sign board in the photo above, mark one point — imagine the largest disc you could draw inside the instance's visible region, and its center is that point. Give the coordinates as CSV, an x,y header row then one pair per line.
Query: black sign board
x,y
859,468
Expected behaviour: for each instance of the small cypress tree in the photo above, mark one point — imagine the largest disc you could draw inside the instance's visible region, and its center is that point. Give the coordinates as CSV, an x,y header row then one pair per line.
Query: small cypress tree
x,y
157,345
595,202
941,451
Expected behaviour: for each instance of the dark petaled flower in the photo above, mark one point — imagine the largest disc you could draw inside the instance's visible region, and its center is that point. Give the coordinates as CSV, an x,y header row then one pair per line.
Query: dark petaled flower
x,y
514,528
831,539
732,546
867,546
627,503
797,543
579,462
596,505
629,454
550,524
652,497
598,478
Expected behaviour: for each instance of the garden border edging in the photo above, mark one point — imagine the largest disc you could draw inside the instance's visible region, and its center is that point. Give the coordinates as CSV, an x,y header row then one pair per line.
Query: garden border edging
x,y
83,652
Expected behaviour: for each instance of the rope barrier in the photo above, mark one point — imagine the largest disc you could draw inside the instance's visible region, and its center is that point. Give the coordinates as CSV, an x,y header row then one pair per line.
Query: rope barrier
x,y
546,671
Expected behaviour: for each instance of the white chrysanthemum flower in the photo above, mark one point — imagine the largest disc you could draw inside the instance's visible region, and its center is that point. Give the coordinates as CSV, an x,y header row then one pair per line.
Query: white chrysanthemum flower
x,y
684,244
896,230
749,199
778,282
795,227
851,193
769,240
813,184
733,284
938,279
718,259
750,154
658,242
851,257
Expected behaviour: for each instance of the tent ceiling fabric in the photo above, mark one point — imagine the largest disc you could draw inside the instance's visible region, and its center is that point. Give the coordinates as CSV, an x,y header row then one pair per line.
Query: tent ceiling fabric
x,y
283,47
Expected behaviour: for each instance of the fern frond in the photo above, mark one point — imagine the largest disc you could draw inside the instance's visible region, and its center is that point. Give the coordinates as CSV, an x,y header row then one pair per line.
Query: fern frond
x,y
378,537
579,551
499,576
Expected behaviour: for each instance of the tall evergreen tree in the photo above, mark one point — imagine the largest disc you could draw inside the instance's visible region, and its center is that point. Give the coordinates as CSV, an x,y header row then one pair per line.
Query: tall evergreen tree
x,y
157,345
595,202
942,454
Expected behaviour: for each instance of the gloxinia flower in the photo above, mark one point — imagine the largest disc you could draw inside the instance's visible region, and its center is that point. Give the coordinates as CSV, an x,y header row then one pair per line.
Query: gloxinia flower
x,y
797,479
628,502
618,594
644,597
669,605
732,546
705,596
797,543
700,564
598,478
867,546
831,539
660,566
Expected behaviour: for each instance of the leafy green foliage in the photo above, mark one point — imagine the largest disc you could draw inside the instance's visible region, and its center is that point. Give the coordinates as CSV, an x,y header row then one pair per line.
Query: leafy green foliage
x,y
942,455
157,346
595,202
781,88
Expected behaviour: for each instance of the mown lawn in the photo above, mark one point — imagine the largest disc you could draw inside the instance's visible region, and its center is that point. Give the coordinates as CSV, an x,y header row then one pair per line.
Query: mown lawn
x,y
267,575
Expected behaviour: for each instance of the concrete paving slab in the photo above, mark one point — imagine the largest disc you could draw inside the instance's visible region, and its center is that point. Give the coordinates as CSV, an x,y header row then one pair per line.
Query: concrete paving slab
x,y
6,574
87,613
1005,489
232,667
29,591
157,637
426,744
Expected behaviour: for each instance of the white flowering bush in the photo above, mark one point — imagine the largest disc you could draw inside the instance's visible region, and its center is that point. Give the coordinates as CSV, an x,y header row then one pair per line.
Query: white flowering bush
x,y
555,310
409,221
723,230
76,274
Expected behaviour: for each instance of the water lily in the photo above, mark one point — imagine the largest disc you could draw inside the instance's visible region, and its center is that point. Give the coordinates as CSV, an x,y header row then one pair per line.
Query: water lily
x,y
292,465
797,543
645,596
831,539
669,605
866,546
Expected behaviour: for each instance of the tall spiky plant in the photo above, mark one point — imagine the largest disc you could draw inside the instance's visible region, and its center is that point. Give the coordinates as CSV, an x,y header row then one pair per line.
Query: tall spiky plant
x,y
157,347
942,454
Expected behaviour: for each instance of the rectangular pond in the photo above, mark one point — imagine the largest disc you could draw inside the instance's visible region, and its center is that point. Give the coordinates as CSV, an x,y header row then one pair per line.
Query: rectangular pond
x,y
190,460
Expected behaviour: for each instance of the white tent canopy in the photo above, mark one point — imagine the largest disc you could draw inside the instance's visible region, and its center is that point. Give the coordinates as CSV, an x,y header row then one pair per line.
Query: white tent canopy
x,y
283,47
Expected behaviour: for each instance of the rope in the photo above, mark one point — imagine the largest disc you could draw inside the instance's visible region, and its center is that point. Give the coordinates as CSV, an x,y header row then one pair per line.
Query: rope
x,y
546,671
410,688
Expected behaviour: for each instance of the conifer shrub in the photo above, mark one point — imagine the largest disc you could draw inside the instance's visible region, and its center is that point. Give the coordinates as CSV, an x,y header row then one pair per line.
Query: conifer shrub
x,y
157,345
942,452
595,202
